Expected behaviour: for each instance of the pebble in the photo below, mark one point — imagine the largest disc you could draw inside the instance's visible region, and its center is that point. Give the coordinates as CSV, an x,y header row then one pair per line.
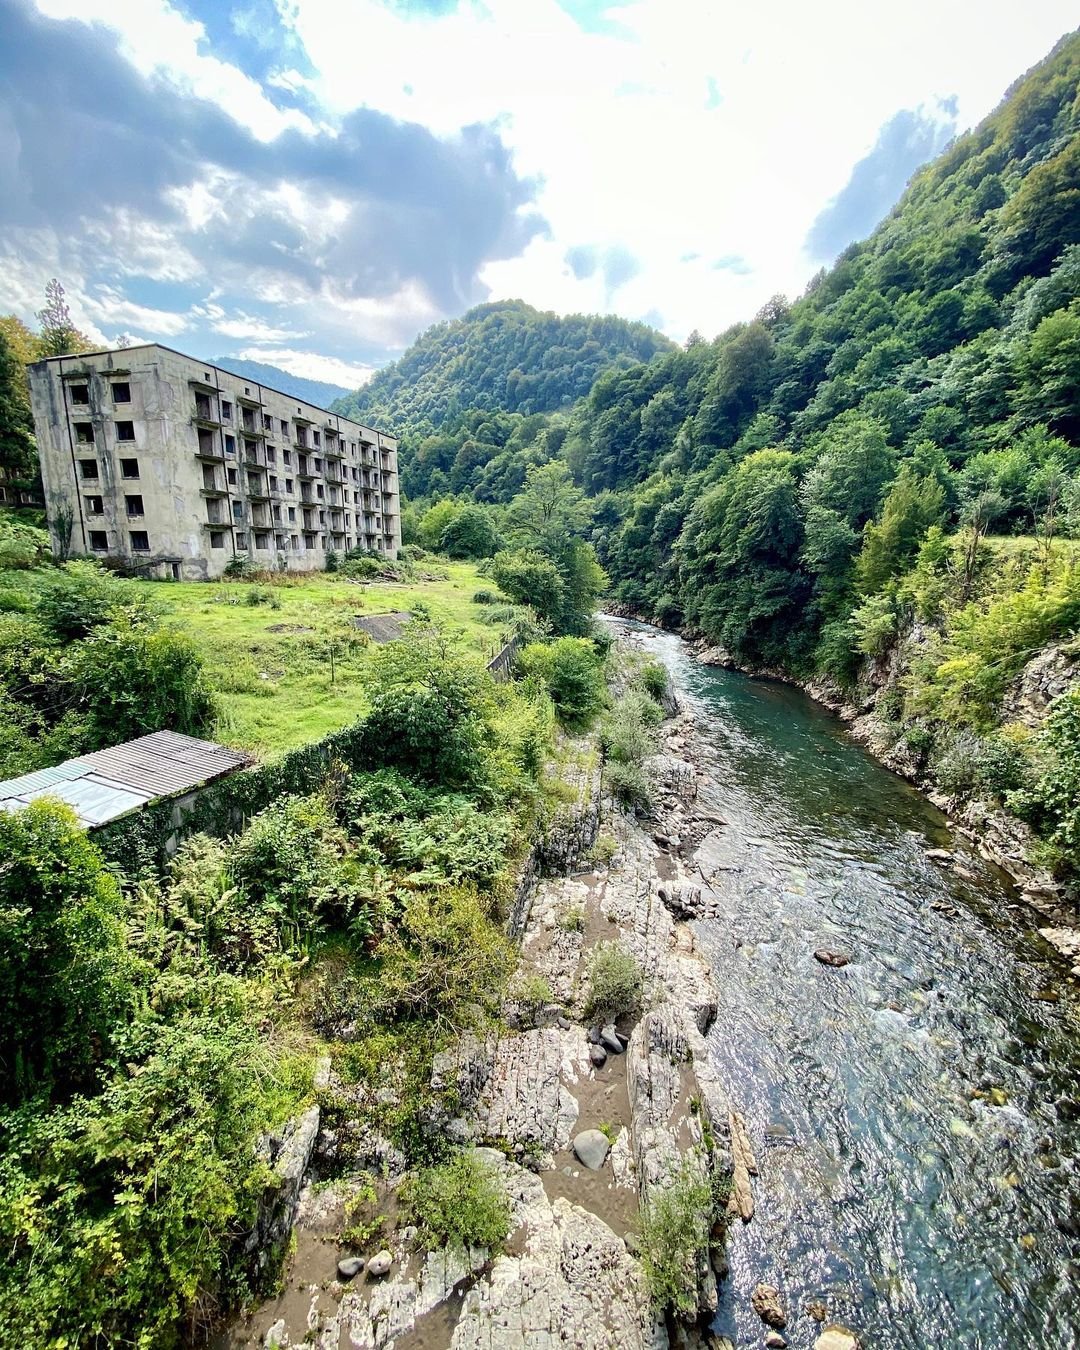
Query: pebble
x,y
350,1266
598,1055
592,1147
766,1303
831,958
380,1264
775,1341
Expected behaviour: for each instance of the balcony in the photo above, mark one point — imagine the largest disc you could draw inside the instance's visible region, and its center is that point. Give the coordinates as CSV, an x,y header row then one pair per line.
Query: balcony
x,y
332,450
247,401
205,491
213,454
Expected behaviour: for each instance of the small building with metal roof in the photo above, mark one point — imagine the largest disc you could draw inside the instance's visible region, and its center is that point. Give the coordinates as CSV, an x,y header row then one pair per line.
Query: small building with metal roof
x,y
107,784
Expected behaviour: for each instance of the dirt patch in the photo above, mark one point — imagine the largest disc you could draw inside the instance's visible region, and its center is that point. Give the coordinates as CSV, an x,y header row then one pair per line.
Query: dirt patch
x,y
306,1282
383,627
289,628
602,1099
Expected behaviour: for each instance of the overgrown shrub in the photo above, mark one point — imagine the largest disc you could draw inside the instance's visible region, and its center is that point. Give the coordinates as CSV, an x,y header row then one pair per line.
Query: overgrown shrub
x,y
81,596
571,670
970,765
629,785
614,983
461,1203
65,976
446,964
675,1226
653,678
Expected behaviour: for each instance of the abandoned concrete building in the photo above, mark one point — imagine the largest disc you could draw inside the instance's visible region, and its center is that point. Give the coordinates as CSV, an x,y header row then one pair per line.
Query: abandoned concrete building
x,y
174,466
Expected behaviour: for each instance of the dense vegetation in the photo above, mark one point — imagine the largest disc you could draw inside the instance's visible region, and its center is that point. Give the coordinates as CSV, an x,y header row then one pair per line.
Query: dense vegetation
x,y
881,476
470,393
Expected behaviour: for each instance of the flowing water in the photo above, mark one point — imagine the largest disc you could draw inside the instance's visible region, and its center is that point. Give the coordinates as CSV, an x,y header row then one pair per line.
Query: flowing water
x,y
914,1112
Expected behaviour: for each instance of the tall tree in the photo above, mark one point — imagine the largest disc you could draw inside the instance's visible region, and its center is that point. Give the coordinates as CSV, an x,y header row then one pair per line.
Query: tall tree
x,y
59,336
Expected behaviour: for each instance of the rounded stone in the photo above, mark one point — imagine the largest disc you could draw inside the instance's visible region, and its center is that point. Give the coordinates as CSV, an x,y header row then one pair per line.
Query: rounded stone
x,y
350,1266
591,1147
380,1263
609,1039
598,1055
836,1337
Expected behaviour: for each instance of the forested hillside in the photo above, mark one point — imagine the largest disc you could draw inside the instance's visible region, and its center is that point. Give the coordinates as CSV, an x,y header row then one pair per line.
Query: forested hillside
x,y
506,359
884,472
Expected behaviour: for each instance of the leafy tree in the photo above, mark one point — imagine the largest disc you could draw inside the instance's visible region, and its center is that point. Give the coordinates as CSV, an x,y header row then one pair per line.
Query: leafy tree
x,y
65,977
891,542
470,534
18,457
572,672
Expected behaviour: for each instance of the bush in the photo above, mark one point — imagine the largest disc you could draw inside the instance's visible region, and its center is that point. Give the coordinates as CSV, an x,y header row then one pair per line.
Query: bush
x,y
80,597
675,1227
485,597
532,993
130,679
629,785
1056,793
627,734
65,977
969,765
470,534
572,672
461,1203
238,567
446,964
120,1215
653,678
614,983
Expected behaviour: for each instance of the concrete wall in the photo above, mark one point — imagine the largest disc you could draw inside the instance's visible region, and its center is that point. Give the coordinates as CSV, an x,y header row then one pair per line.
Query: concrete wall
x,y
219,462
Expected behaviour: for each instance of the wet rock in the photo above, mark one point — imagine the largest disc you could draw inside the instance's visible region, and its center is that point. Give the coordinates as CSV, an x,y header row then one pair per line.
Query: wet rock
x,y
999,1097
766,1303
598,1055
1067,1108
836,1337
775,1341
591,1147
744,1166
827,957
939,855
594,1035
716,656
350,1266
609,1039
380,1264
817,1310
682,899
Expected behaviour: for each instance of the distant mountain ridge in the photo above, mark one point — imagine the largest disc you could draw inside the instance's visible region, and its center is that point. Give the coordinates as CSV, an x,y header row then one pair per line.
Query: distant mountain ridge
x,y
504,356
311,391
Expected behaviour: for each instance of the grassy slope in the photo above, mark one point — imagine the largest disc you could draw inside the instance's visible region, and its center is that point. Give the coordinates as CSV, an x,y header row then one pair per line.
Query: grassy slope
x,y
274,687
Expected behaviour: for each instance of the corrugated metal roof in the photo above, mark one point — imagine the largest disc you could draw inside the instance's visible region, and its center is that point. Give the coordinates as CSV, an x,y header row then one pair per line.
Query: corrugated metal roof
x,y
108,783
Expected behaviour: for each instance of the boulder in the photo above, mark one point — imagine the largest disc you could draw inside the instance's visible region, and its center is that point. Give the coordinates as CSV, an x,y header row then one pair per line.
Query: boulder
x,y
598,1055
350,1266
277,1338
609,1039
380,1264
775,1341
592,1147
831,958
766,1303
836,1337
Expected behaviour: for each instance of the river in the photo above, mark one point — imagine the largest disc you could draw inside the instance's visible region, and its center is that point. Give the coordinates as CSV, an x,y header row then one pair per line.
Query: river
x,y
914,1113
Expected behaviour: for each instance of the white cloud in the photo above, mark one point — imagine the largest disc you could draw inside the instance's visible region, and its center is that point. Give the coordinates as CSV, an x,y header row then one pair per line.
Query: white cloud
x,y
618,124
109,309
246,328
311,365
159,39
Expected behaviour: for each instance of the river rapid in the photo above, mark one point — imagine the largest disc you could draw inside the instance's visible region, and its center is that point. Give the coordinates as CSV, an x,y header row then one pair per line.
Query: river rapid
x,y
914,1114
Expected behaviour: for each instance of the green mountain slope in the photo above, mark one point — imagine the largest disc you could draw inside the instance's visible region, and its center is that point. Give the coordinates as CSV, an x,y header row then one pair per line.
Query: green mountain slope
x,y
475,382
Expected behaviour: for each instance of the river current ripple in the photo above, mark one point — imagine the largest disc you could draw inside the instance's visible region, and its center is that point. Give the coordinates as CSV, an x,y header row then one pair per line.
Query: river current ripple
x,y
919,1213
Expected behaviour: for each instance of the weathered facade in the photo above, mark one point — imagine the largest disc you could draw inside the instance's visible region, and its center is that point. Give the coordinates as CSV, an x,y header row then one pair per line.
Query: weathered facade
x,y
175,466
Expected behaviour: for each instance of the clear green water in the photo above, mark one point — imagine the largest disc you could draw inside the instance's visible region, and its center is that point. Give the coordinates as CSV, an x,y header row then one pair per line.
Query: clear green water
x,y
920,1215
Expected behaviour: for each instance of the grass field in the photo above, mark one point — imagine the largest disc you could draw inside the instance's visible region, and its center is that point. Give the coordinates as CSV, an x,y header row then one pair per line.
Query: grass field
x,y
270,663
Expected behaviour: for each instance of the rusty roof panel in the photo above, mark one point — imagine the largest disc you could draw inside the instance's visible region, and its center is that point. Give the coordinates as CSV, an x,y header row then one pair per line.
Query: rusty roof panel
x,y
105,784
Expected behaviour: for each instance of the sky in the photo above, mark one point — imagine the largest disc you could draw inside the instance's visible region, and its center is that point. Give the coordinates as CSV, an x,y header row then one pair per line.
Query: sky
x,y
311,183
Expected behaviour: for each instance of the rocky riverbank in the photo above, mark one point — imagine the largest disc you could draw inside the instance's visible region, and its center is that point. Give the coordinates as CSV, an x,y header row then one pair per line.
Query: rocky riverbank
x,y
586,1124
